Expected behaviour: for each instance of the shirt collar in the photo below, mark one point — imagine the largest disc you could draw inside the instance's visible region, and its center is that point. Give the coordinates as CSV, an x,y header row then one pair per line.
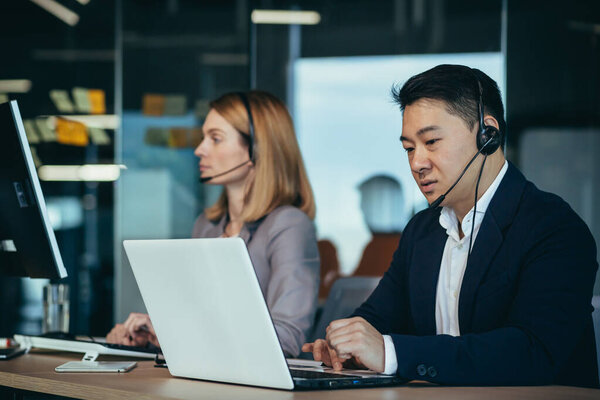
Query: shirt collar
x,y
449,221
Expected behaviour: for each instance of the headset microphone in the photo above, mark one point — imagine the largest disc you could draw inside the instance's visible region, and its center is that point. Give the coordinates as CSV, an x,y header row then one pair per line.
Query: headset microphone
x,y
208,178
439,200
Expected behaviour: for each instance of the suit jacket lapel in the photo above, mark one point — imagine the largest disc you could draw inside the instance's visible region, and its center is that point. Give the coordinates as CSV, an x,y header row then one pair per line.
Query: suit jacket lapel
x,y
423,278
486,244
499,215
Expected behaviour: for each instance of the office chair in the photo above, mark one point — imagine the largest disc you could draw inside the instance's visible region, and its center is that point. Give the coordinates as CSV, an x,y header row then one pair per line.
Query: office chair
x,y
330,267
377,255
345,296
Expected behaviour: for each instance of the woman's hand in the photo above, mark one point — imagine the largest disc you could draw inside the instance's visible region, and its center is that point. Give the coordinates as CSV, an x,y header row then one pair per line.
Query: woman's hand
x,y
137,330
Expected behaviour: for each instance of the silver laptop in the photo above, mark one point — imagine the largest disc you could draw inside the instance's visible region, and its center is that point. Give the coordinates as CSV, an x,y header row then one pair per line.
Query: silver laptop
x,y
212,321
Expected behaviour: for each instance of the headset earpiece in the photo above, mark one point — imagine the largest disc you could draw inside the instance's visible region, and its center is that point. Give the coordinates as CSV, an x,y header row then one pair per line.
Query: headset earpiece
x,y
488,137
251,139
488,140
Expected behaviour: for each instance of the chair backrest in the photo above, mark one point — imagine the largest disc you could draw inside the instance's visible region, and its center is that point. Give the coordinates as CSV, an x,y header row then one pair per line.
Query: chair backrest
x,y
377,255
330,267
596,320
345,296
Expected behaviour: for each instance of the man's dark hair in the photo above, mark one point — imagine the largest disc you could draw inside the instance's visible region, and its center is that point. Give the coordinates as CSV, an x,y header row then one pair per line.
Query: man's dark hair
x,y
457,87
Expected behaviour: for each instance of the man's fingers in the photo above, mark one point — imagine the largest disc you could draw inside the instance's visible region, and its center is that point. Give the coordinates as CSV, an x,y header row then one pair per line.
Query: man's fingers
x,y
318,349
340,323
346,348
321,352
342,333
351,327
330,356
340,345
336,363
308,347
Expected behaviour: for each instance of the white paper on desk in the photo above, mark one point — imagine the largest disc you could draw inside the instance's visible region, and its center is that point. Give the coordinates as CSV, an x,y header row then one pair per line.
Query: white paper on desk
x,y
298,362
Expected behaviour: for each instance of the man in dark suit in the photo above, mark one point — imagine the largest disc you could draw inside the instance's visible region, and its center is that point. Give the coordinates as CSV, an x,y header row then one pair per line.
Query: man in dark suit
x,y
493,294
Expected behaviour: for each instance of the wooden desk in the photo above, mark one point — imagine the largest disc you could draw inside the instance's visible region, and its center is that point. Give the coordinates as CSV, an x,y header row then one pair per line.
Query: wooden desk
x,y
35,372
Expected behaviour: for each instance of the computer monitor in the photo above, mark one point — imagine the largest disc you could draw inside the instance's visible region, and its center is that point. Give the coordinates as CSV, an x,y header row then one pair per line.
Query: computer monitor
x,y
27,243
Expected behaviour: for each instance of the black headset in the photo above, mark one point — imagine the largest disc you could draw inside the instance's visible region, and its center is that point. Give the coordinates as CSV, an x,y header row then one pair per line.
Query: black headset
x,y
251,152
488,137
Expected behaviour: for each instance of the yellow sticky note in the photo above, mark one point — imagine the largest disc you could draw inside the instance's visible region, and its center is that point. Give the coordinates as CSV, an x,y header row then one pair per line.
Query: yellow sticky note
x,y
97,101
71,132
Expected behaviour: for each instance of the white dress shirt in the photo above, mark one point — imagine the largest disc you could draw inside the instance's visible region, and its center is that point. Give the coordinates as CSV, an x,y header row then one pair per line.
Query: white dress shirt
x,y
452,269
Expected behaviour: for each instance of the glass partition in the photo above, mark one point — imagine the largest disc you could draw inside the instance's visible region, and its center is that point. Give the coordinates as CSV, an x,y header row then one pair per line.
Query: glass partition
x,y
349,130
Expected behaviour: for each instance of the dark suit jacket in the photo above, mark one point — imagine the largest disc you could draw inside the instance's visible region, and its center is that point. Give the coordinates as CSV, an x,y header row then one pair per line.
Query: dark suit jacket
x,y
525,302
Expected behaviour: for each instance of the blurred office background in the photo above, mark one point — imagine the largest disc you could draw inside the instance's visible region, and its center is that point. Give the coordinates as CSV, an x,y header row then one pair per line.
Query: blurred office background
x,y
151,66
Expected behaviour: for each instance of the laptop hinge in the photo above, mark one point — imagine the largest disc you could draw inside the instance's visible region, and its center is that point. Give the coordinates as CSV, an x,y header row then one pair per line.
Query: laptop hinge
x,y
90,356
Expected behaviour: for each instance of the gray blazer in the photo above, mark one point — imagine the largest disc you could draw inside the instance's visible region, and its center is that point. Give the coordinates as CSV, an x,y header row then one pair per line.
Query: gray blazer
x,y
283,249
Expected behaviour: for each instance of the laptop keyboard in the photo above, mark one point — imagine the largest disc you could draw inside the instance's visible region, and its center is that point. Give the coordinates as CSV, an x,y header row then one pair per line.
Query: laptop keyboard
x,y
300,373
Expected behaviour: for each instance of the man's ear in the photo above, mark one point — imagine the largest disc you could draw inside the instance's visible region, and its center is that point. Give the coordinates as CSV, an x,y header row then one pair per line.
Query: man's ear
x,y
488,120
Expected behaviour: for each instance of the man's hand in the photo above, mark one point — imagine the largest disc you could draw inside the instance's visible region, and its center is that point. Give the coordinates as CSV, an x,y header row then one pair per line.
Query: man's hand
x,y
350,341
356,338
137,330
322,352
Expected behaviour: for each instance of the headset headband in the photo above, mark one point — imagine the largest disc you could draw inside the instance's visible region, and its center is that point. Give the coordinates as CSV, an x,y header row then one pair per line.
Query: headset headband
x,y
246,103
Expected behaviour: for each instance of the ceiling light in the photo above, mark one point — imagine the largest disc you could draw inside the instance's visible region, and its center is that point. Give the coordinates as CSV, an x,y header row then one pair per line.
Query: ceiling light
x,y
87,173
15,85
285,17
59,11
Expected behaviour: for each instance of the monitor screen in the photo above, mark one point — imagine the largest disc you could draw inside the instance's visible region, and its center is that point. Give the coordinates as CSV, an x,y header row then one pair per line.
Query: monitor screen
x,y
27,243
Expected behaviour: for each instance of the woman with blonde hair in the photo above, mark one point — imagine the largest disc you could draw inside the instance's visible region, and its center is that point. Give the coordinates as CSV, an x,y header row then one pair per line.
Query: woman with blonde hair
x,y
250,148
